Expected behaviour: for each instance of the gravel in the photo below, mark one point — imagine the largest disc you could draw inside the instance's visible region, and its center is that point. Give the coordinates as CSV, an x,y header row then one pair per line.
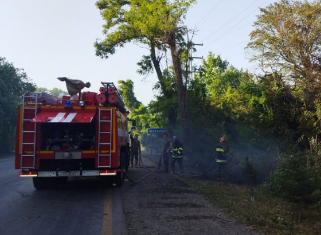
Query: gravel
x,y
162,203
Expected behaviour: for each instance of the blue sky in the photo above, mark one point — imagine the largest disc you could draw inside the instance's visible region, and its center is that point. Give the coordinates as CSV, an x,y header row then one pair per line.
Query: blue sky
x,y
50,39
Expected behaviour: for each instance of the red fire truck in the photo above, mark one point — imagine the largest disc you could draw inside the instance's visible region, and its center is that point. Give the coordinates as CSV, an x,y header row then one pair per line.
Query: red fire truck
x,y
87,136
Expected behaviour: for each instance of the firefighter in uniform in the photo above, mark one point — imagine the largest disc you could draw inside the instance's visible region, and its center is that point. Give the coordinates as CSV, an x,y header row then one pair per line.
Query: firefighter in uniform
x,y
135,151
177,155
221,158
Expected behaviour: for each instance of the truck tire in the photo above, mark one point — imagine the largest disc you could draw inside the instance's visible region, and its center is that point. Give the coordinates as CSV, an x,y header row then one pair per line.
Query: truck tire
x,y
62,180
119,179
39,183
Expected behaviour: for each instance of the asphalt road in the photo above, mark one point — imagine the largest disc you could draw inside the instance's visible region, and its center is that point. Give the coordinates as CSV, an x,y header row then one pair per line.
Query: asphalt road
x,y
82,206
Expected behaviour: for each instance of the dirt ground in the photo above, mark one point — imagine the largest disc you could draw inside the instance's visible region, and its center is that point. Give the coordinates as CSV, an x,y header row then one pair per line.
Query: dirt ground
x,y
161,203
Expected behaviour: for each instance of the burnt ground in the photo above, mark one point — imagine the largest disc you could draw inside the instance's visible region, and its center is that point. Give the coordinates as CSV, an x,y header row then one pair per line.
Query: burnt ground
x,y
162,203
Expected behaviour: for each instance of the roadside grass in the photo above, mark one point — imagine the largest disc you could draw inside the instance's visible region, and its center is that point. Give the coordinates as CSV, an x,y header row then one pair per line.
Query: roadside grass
x,y
257,209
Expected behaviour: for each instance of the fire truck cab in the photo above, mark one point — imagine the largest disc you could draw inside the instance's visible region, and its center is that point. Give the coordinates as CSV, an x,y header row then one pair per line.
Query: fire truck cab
x,y
83,136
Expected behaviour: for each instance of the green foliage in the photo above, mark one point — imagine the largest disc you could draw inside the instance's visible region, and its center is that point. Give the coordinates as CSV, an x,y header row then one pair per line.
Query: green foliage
x,y
157,24
42,89
54,91
166,104
126,89
57,92
286,39
138,112
139,21
14,82
294,180
145,66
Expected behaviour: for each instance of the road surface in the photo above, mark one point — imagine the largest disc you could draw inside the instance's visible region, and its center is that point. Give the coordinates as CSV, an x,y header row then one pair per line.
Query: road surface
x,y
82,206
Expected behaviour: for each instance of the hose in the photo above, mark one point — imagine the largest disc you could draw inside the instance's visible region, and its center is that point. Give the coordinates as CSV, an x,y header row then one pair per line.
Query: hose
x,y
140,162
158,170
210,166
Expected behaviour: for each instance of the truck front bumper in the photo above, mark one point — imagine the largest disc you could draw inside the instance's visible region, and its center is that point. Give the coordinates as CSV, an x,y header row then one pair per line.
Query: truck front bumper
x,y
77,173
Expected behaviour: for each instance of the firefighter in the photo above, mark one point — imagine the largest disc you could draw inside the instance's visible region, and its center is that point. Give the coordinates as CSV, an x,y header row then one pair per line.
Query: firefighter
x,y
221,158
177,155
135,151
167,145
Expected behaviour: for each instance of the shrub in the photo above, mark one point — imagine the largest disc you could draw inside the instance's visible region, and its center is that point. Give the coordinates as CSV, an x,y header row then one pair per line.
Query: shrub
x,y
294,180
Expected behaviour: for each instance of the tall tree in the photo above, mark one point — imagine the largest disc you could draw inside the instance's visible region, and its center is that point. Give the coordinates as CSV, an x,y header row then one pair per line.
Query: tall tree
x,y
14,82
126,88
287,40
138,111
155,23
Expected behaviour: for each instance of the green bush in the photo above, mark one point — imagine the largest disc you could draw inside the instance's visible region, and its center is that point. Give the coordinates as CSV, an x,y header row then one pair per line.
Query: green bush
x,y
294,180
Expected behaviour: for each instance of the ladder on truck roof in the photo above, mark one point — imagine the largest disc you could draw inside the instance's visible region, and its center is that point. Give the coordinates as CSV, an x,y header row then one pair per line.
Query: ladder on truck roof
x,y
105,136
28,131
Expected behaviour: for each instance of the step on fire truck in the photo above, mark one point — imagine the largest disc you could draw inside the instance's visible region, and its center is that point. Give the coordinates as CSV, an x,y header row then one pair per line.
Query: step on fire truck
x,y
80,136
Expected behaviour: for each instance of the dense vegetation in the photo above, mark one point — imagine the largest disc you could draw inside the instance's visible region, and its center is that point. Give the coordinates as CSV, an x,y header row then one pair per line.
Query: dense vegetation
x,y
13,83
271,119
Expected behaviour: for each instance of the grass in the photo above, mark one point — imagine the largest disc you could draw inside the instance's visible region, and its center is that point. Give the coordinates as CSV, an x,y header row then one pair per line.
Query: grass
x,y
257,209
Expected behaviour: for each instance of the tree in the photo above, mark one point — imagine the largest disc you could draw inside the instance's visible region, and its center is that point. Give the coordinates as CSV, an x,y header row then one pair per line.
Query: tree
x,y
155,23
287,41
138,111
166,102
57,92
54,91
14,82
142,115
126,89
42,89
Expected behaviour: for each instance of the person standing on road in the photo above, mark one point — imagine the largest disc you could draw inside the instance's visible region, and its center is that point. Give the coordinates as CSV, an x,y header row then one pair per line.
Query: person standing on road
x,y
167,145
177,155
135,151
221,158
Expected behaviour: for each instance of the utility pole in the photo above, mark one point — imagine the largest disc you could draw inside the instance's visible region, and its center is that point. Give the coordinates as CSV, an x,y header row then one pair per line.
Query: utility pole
x,y
191,58
194,57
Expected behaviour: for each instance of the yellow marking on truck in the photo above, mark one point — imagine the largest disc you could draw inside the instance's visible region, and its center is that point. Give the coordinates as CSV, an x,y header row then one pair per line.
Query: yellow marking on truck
x,y
114,130
90,107
28,152
45,151
86,107
89,151
52,107
107,219
20,129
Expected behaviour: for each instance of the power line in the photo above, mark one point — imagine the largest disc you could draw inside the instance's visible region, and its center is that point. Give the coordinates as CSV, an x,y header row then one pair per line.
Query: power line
x,y
229,21
226,49
208,13
230,29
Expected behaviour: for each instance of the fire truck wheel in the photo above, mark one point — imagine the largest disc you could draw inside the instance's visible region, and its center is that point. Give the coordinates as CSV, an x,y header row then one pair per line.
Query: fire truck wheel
x,y
119,178
39,182
62,180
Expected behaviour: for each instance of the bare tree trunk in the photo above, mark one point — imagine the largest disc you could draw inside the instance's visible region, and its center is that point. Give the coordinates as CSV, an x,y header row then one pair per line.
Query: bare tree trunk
x,y
181,89
156,63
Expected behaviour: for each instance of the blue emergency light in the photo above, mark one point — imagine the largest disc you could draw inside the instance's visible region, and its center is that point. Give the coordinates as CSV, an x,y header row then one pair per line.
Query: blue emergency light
x,y
67,104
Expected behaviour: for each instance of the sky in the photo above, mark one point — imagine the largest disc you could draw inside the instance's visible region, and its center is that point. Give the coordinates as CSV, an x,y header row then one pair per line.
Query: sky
x,y
50,39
